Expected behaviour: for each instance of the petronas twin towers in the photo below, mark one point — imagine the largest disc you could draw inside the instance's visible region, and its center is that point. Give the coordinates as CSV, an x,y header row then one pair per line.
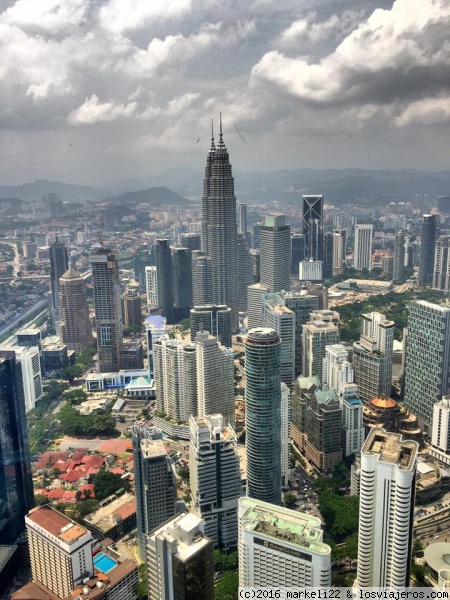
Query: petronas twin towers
x,y
219,229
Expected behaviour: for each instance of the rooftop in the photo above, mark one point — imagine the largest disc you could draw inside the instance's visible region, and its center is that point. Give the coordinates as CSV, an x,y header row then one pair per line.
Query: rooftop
x,y
56,524
391,448
153,448
187,530
107,516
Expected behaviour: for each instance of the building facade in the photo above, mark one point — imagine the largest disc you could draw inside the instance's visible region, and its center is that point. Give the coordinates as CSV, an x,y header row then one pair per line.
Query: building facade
x,y
275,250
59,263
315,337
151,286
75,327
280,318
363,247
313,227
212,318
164,278
399,256
202,279
427,250
441,275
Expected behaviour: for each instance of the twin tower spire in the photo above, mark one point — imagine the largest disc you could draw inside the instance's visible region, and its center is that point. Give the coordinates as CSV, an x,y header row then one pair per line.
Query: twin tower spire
x,y
221,142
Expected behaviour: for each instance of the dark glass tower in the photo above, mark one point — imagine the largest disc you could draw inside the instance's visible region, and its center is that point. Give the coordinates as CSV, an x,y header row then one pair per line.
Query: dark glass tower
x,y
16,487
399,256
297,252
313,227
327,269
59,263
219,227
263,414
163,255
182,282
427,250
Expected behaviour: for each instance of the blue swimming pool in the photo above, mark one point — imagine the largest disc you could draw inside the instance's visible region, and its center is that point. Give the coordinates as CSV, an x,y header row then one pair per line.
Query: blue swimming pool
x,y
104,563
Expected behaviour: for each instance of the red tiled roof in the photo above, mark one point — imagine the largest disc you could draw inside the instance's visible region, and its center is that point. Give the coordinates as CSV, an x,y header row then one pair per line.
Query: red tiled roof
x,y
71,476
117,471
55,494
49,519
116,446
126,510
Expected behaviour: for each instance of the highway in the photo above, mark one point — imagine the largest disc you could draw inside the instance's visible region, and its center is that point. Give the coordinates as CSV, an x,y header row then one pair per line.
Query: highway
x,y
20,321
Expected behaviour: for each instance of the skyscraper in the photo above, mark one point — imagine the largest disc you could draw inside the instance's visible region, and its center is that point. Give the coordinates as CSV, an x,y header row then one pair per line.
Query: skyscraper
x,y
316,336
242,224
279,317
155,328
427,250
441,275
255,295
219,227
399,256
193,241
275,252
313,226
59,263
387,490
202,279
131,308
215,478
154,475
263,414
75,327
339,239
337,370
328,255
372,356
16,487
244,271
212,318
440,435
28,374
297,251
363,247
144,257
164,275
427,357
151,286
108,310
182,282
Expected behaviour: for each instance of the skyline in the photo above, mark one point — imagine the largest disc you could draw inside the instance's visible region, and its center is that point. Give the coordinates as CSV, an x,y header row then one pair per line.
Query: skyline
x,y
95,93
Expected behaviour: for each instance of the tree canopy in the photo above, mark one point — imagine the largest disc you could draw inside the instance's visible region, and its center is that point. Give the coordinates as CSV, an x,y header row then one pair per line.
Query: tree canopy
x,y
107,483
100,423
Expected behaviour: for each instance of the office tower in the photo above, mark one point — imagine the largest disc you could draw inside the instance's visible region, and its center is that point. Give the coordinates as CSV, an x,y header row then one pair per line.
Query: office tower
x,y
144,257
182,282
409,254
244,271
59,263
275,252
256,256
16,487
29,375
193,241
175,378
32,336
353,432
317,423
337,370
255,295
60,550
387,264
279,547
427,250
242,223
387,489
131,308
108,310
75,327
310,270
399,256
328,247
313,227
372,356
315,336
215,377
180,562
202,280
219,227
427,358
164,276
297,251
263,414
212,318
441,275
215,478
155,329
302,304
326,315
151,286
154,477
279,317
440,433
339,252
363,247
285,430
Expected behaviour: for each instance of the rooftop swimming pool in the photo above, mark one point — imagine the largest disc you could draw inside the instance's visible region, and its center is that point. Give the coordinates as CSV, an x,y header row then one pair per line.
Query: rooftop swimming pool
x,y
104,563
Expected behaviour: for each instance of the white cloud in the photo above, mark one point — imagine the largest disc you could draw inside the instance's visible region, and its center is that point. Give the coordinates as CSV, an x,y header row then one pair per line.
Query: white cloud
x,y
426,112
48,15
122,15
307,31
94,111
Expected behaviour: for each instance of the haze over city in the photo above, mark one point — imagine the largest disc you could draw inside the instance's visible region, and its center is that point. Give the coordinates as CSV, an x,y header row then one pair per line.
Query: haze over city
x,y
98,92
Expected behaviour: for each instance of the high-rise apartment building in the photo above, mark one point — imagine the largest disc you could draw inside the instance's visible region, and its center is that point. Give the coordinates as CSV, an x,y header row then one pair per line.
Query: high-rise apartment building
x,y
337,370
353,432
427,358
279,317
339,251
131,308
151,286
279,547
175,377
399,256
60,550
202,280
427,250
310,270
244,271
155,328
180,562
313,227
164,277
297,251
108,310
144,257
372,356
75,327
154,476
215,478
215,377
28,374
315,337
219,228
255,295
440,434
212,318
182,282
301,304
59,263
441,275
242,221
275,251
387,490
363,247
263,414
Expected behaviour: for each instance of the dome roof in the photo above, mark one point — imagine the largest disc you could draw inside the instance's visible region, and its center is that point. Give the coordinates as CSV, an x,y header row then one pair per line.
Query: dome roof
x,y
383,402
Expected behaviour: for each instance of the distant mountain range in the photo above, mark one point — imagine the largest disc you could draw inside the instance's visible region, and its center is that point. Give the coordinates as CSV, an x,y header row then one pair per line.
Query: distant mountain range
x,y
68,191
156,196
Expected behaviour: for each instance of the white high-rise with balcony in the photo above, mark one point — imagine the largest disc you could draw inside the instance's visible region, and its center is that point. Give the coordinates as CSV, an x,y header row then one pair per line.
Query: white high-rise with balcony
x,y
363,247
151,284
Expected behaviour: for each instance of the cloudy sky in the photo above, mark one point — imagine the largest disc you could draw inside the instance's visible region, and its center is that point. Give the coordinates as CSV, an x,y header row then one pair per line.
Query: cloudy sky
x,y
98,91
